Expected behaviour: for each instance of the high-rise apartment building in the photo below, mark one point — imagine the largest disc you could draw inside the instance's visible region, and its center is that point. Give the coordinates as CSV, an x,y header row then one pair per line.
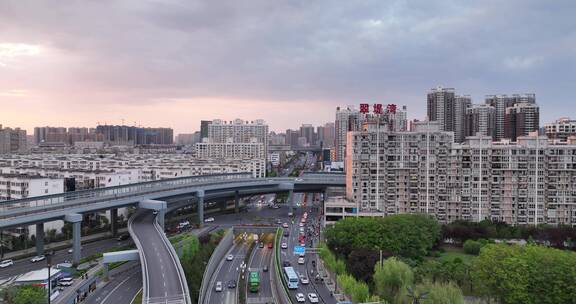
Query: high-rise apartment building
x,y
319,136
129,135
348,119
292,137
526,182
204,128
521,119
449,110
328,137
480,120
307,131
561,129
239,131
188,138
12,140
230,150
500,104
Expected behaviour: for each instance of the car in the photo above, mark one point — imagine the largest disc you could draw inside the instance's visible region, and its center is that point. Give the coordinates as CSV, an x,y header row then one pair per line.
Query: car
x,y
65,282
155,212
301,260
209,220
313,297
300,298
285,225
286,233
72,250
38,258
6,263
304,280
123,237
218,286
229,257
260,245
286,264
265,268
276,207
270,245
279,221
231,284
298,180
284,246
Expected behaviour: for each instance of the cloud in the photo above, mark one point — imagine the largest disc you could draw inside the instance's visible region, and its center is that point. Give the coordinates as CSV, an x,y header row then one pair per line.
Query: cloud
x,y
136,52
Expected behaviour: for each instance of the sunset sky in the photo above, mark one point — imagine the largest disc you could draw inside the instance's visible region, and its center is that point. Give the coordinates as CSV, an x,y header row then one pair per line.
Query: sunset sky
x,y
172,63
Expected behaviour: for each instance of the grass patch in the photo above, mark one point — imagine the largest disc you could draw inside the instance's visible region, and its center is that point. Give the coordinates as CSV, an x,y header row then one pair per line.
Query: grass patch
x,y
137,298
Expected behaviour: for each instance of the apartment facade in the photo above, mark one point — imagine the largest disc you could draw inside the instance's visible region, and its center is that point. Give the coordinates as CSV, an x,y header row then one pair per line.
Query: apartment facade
x,y
239,131
521,119
449,110
561,129
16,186
230,150
481,120
501,103
526,182
12,140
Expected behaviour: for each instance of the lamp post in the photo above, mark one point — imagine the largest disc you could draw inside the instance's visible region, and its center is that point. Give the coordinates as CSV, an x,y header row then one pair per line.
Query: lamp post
x,y
49,282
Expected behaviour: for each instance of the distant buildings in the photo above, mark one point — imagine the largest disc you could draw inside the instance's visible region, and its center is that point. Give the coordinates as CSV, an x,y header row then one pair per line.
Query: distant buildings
x,y
347,119
188,138
239,131
480,120
129,135
500,104
449,110
12,140
521,119
561,129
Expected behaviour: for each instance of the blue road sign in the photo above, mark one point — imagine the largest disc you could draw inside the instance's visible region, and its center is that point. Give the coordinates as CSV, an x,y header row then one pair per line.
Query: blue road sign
x,y
299,250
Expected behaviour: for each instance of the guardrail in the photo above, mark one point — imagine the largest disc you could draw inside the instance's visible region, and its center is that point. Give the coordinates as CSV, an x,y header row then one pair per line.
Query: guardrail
x,y
283,293
217,256
142,259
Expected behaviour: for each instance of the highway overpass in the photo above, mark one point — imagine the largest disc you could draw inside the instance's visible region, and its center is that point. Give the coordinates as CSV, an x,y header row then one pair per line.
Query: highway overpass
x,y
70,206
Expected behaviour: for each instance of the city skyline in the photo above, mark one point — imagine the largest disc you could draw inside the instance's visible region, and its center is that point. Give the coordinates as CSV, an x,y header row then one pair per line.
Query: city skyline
x,y
176,63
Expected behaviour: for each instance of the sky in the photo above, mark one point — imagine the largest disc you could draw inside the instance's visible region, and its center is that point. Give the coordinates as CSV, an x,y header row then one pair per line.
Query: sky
x,y
171,63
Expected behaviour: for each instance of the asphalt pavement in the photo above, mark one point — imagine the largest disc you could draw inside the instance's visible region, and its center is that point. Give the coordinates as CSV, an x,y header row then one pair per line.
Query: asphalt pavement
x,y
227,271
23,266
161,268
125,282
261,257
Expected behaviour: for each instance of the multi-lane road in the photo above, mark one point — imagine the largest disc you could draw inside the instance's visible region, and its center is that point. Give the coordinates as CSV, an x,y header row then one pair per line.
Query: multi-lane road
x,y
22,266
260,259
227,271
307,269
162,276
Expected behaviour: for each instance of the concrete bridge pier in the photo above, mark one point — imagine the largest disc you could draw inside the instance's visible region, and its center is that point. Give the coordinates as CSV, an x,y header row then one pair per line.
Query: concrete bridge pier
x,y
114,221
39,238
236,201
290,188
200,201
76,220
159,206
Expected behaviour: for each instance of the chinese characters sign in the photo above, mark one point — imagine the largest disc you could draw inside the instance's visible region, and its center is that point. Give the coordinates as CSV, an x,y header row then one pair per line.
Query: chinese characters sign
x,y
377,108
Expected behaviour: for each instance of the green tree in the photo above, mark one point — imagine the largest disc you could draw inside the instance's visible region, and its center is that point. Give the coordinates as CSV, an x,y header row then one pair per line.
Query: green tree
x,y
391,277
472,247
30,295
443,293
528,274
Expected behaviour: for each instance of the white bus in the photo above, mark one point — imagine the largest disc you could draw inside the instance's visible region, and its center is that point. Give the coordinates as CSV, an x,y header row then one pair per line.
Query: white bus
x,y
291,277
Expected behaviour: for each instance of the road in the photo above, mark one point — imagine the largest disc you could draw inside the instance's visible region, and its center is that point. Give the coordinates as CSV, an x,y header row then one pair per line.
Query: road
x,y
159,265
262,257
311,240
125,282
24,265
227,271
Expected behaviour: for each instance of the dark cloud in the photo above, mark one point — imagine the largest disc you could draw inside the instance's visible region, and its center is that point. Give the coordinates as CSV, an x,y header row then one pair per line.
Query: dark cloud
x,y
338,51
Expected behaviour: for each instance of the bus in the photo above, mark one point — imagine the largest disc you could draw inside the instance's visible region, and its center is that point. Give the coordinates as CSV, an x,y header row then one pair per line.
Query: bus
x,y
254,281
291,277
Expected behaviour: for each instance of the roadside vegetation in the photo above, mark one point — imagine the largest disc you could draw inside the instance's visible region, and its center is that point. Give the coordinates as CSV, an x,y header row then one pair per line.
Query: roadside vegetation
x,y
24,295
195,254
402,259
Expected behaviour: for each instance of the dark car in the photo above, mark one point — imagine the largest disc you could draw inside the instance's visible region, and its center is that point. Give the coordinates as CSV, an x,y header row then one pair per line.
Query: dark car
x,y
261,245
123,237
286,233
232,284
286,264
265,269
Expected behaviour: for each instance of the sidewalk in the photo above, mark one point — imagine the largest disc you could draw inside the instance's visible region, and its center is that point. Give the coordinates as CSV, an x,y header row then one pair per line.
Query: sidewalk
x,y
14,255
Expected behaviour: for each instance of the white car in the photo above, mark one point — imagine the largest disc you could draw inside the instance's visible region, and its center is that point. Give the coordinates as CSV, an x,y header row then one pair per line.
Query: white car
x,y
218,286
6,263
304,280
209,220
285,225
229,257
301,225
299,180
313,297
38,258
300,298
72,250
284,246
301,260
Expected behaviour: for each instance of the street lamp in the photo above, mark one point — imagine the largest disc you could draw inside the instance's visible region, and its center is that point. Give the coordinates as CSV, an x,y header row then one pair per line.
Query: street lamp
x,y
49,282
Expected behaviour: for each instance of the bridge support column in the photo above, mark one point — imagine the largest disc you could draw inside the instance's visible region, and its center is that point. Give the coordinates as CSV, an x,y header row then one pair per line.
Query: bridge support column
x,y
236,201
159,206
114,221
76,220
290,200
200,201
40,239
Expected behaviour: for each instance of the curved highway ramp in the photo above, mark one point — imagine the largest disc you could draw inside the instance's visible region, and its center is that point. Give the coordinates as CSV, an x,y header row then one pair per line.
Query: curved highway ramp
x,y
162,275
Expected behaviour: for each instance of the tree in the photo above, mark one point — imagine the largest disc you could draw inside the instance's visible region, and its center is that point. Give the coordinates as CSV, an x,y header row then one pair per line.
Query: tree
x,y
525,274
361,262
443,293
472,247
391,277
26,295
